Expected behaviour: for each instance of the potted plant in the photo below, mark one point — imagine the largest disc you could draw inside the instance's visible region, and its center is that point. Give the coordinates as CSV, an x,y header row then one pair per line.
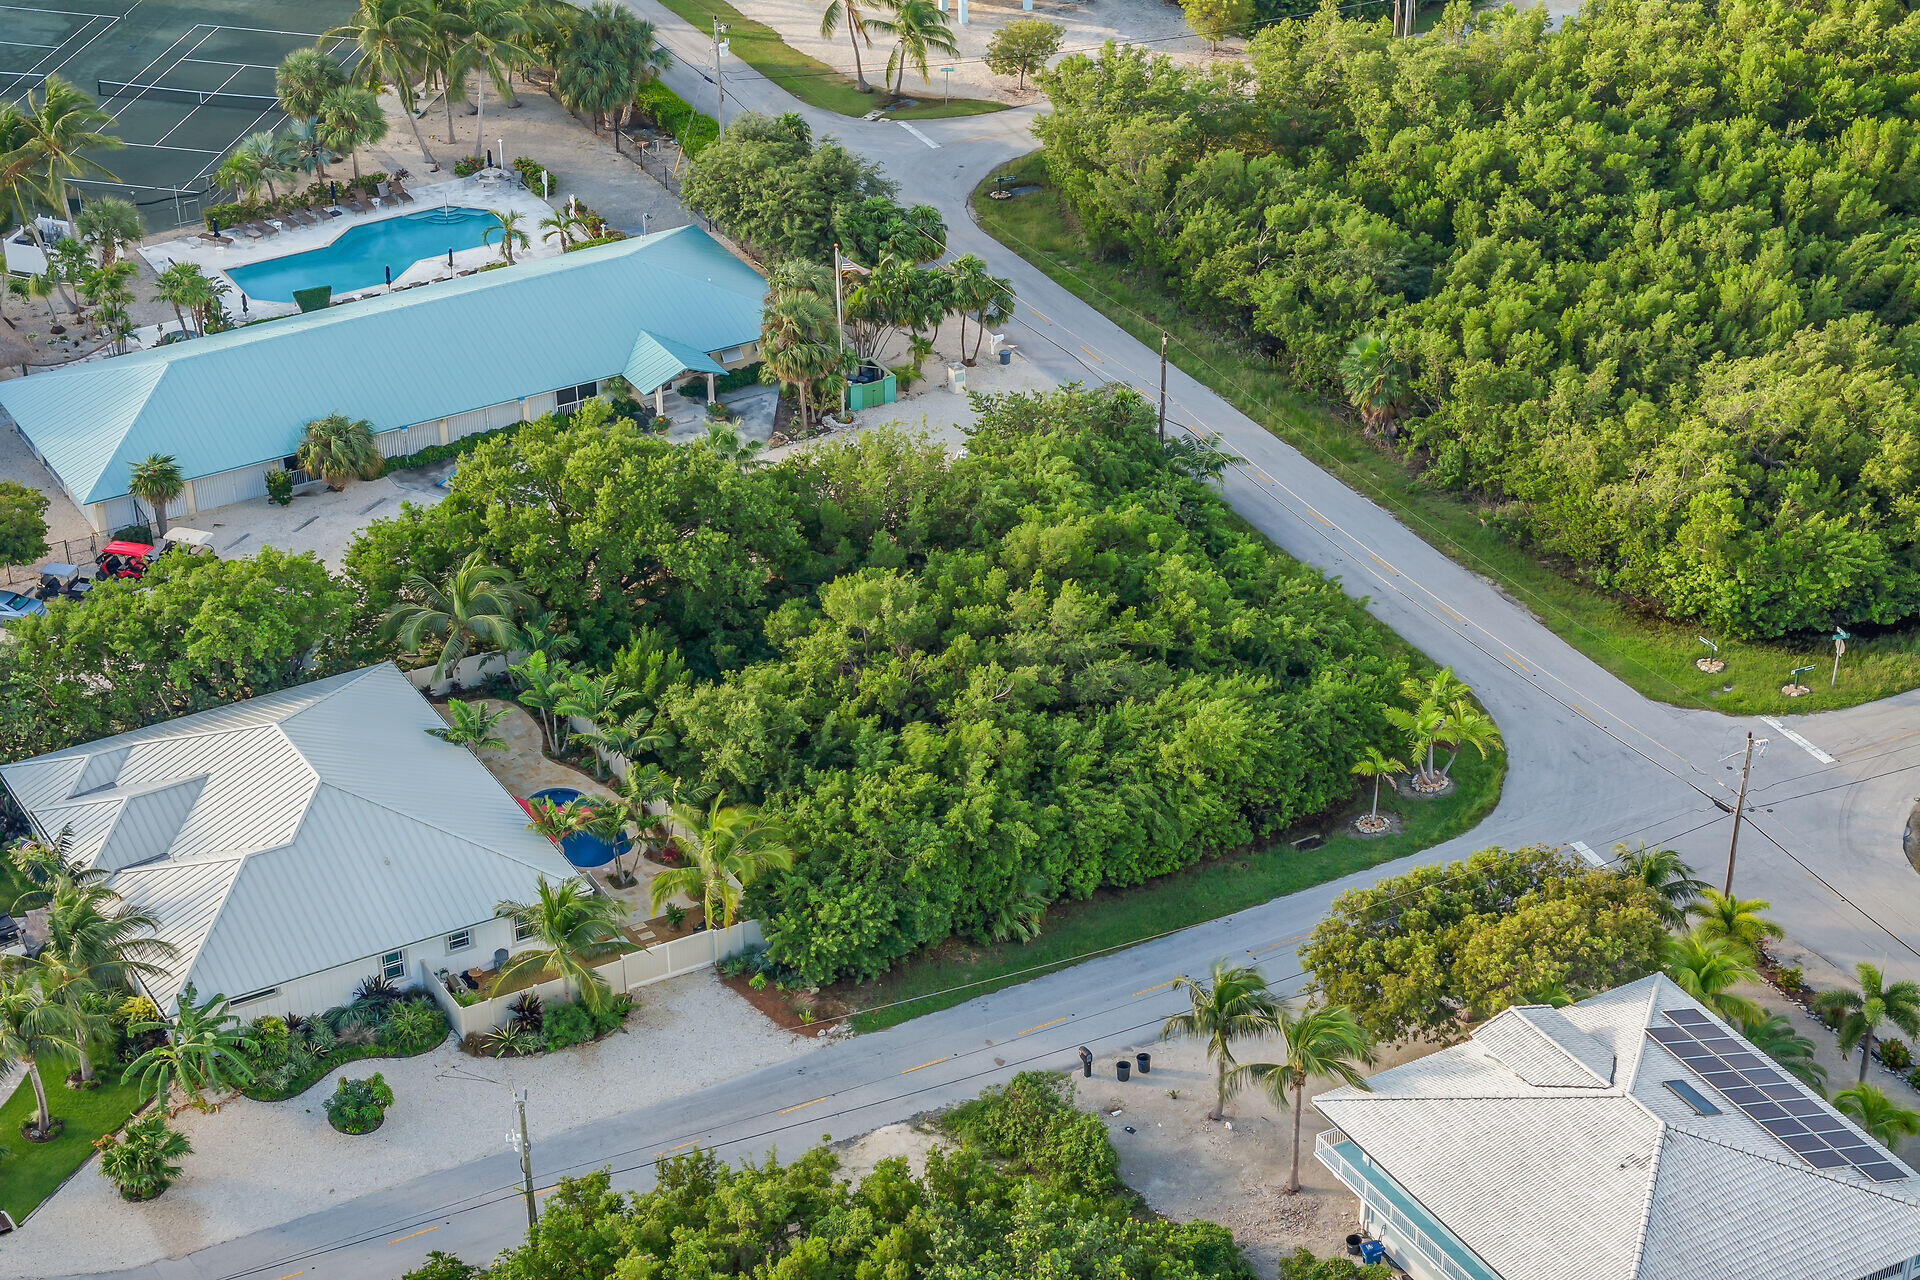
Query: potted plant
x,y
359,1106
140,1158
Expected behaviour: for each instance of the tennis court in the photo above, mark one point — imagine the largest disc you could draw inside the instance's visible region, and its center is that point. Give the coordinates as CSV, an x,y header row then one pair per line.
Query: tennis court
x,y
182,82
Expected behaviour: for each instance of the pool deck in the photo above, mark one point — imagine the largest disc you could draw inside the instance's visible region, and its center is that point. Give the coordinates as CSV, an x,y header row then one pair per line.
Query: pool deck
x,y
468,193
524,768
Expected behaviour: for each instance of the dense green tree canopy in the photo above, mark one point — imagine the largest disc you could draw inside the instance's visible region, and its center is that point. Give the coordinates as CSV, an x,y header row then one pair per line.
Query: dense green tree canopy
x,y
1652,277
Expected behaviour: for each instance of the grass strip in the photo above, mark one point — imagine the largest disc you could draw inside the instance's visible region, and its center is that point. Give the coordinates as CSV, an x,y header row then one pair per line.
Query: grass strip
x,y
806,78
32,1171
1653,655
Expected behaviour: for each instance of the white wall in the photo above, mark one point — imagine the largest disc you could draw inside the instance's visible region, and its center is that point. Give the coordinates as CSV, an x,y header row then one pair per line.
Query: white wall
x,y
227,487
317,992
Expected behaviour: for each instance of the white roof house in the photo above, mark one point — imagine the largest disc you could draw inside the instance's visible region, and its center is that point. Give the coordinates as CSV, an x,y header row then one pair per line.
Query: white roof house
x,y
314,829
1632,1136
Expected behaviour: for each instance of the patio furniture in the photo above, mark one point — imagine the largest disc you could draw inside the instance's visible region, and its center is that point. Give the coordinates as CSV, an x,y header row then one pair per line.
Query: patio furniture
x,y
251,230
355,203
499,958
9,929
474,978
400,194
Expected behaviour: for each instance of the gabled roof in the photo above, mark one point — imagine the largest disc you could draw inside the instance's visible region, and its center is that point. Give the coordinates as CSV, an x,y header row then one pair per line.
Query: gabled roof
x,y
243,397
1556,1179
290,833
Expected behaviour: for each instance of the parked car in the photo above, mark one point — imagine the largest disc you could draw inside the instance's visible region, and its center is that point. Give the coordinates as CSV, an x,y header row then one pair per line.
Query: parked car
x,y
14,606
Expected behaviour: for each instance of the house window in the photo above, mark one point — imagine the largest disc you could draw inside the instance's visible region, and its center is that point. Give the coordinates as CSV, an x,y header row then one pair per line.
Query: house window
x,y
460,941
731,354
570,398
522,928
393,966
264,993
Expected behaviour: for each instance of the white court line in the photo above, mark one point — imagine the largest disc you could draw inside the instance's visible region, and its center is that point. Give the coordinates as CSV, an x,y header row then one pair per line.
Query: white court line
x,y
196,111
26,44
1796,739
916,133
80,33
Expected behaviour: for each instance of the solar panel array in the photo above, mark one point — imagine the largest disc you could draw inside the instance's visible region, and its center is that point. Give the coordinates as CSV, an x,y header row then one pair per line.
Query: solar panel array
x,y
1748,1079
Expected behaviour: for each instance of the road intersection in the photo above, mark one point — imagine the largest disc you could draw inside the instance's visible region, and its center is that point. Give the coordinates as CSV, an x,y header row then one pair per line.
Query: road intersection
x,y
1590,760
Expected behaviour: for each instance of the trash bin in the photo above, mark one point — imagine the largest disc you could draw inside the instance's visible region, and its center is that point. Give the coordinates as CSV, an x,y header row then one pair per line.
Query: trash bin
x,y
1122,1068
1006,355
1353,1244
1371,1251
1144,1061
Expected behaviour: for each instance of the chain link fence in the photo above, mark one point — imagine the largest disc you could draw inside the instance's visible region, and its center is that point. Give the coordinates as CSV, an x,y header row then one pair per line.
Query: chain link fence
x,y
80,551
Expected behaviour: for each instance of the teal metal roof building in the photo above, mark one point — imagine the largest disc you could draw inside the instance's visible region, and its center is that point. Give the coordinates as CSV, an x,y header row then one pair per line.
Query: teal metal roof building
x,y
424,365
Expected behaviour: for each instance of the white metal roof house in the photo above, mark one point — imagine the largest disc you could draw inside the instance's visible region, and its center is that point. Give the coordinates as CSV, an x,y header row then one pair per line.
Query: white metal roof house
x,y
297,842
425,365
1632,1136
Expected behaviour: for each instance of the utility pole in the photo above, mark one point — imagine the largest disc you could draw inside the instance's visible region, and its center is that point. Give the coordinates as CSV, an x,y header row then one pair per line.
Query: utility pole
x,y
840,327
1163,388
526,1156
1739,808
719,84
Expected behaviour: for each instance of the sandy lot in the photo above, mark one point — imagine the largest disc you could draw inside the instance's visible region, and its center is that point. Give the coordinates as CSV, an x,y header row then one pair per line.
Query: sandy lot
x,y
259,1164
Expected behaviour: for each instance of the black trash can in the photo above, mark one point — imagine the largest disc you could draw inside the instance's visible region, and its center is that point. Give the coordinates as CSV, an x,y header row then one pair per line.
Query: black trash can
x,y
1144,1061
1353,1245
1006,355
1122,1068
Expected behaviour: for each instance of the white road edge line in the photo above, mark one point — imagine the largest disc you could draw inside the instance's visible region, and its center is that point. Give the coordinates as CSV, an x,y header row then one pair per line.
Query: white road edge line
x,y
1796,739
916,133
1586,852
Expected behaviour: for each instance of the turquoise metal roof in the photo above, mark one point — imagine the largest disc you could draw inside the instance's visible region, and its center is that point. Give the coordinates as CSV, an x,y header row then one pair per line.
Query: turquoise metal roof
x,y
242,397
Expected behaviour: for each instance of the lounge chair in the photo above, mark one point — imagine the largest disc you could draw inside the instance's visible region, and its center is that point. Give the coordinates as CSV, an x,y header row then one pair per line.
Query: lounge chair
x,y
302,218
400,194
355,203
267,228
251,230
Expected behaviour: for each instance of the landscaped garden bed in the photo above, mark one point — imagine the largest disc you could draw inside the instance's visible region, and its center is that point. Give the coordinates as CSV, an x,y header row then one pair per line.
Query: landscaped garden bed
x,y
288,1056
32,1171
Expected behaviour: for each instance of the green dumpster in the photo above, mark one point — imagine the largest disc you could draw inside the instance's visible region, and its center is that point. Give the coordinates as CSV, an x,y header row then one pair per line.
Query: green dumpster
x,y
864,395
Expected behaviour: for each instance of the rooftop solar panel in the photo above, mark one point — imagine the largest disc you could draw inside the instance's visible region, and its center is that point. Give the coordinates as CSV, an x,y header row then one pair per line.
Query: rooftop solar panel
x,y
1744,1096
1826,1158
1689,1018
1883,1171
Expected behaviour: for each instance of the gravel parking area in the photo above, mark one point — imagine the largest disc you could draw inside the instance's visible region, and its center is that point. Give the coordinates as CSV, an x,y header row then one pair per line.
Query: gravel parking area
x,y
256,1165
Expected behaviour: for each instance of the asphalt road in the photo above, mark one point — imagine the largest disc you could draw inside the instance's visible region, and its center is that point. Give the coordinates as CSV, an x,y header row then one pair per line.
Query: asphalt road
x,y
1590,761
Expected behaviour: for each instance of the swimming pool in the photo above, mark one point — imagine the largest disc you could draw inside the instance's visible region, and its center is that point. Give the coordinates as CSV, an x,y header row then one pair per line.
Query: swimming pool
x,y
359,259
583,848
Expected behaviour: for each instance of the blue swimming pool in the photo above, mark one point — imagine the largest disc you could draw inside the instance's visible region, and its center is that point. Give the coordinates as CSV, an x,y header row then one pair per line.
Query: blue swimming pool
x,y
582,848
359,259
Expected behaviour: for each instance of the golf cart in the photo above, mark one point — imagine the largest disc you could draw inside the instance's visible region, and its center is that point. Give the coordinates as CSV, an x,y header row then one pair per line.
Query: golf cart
x,y
124,559
70,580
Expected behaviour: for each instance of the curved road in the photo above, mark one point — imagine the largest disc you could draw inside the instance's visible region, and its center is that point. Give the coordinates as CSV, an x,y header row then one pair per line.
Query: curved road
x,y
1590,761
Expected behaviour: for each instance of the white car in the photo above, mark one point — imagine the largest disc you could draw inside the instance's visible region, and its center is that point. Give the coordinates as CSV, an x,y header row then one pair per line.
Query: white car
x,y
14,606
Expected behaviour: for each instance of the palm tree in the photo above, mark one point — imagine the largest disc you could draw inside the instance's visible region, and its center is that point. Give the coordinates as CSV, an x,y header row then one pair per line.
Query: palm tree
x,y
62,128
1775,1037
351,118
1321,1042
859,28
336,448
560,224
395,39
1468,726
183,286
799,338
921,29
1667,877
1707,969
496,32
1738,920
156,481
452,57
95,943
473,609
1233,1004
1423,726
46,865
507,226
590,698
575,927
32,1028
111,225
202,1050
543,683
727,848
241,173
978,295
1374,380
304,79
265,153
1372,764
555,821
142,1158
1885,1120
1862,1012
472,725
305,149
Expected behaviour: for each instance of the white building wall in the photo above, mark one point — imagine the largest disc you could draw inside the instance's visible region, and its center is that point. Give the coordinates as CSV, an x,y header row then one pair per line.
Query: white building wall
x,y
317,992
227,487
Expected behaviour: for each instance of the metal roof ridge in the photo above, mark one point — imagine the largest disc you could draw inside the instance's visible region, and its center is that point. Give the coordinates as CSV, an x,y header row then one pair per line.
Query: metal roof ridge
x,y
1646,1206
188,958
1519,1011
422,822
83,750
1778,1158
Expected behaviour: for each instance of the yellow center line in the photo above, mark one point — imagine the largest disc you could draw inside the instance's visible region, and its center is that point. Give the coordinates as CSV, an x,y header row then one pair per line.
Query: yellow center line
x,y
1382,563
670,1150
796,1106
1036,311
542,1191
410,1235
1090,351
291,1274
1169,982
1516,662
1043,1026
924,1064
1322,519
1449,612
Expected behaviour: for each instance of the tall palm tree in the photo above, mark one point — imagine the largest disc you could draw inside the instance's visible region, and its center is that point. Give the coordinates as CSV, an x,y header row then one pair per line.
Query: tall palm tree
x,y
395,39
799,338
1738,920
63,127
336,448
1468,726
1323,1042
351,118
1423,726
201,1051
921,29
496,33
1374,380
111,225
95,943
543,683
559,225
177,288
727,848
46,865
264,153
859,28
1707,969
978,295
507,226
575,928
473,609
32,1030
1883,1118
241,173
1233,1004
453,56
303,80
1667,877
1372,764
156,481
473,725
1863,1011
1793,1052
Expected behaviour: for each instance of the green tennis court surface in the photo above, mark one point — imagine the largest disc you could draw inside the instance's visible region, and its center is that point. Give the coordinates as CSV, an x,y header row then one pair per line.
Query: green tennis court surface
x,y
183,82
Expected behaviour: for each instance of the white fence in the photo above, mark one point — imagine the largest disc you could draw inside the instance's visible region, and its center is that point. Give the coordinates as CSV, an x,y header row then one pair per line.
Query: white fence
x,y
472,670
657,963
